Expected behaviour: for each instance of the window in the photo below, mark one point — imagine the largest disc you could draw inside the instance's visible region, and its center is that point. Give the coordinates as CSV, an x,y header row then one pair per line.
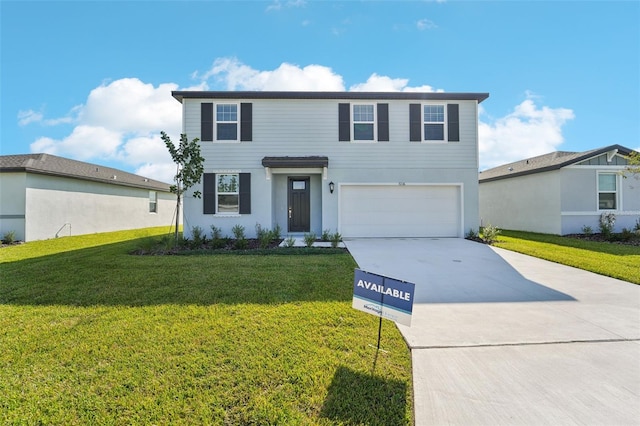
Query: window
x,y
227,122
153,202
434,123
363,123
607,191
228,194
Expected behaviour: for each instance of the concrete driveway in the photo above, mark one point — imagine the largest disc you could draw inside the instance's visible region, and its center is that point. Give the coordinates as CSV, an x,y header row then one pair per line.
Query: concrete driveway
x,y
500,338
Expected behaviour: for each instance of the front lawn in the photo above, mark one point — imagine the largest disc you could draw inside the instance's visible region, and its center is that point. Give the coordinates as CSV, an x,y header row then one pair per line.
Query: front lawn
x,y
613,260
90,334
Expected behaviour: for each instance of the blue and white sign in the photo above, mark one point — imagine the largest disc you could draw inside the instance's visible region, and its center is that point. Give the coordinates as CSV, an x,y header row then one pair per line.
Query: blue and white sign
x,y
383,296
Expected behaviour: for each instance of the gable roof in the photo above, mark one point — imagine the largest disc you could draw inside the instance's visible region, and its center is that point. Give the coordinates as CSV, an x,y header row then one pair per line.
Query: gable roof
x,y
441,96
47,164
547,162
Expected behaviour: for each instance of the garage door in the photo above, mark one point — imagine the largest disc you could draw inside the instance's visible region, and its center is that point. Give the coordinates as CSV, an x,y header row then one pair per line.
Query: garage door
x,y
400,211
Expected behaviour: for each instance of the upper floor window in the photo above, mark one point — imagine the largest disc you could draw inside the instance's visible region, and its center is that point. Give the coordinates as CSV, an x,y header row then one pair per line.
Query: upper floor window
x,y
607,191
363,123
227,122
153,202
434,121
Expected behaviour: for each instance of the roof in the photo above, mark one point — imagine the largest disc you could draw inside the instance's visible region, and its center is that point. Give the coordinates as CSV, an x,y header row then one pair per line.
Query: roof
x,y
313,161
47,164
547,162
418,96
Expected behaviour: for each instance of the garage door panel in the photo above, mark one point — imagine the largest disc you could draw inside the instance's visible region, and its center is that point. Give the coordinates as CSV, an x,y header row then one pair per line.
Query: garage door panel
x,y
399,211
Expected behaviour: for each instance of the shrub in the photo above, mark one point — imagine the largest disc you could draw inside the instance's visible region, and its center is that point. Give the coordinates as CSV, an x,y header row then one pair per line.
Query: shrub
x,y
335,239
199,237
472,234
309,239
490,234
238,232
265,239
626,235
636,228
276,232
289,242
587,230
9,237
326,235
607,222
216,233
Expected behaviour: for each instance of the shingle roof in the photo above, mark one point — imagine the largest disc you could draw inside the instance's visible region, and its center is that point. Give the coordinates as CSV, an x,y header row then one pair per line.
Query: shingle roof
x,y
52,165
546,162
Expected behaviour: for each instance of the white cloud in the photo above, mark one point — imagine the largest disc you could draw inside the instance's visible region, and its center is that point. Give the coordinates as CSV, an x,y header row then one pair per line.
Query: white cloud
x,y
381,83
279,5
526,132
28,117
84,143
426,24
235,75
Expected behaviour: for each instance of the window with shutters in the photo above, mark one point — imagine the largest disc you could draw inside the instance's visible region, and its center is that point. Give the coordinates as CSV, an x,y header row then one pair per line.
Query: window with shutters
x,y
228,193
434,122
227,122
363,123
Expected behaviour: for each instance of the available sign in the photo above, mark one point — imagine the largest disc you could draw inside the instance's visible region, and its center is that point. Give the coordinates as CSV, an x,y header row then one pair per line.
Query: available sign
x,y
383,296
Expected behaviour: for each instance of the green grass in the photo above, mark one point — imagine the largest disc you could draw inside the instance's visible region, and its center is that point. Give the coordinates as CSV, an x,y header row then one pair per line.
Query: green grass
x,y
613,260
92,335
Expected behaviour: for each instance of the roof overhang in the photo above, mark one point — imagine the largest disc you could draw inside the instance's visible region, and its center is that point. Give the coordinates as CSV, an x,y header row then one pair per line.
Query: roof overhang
x,y
296,162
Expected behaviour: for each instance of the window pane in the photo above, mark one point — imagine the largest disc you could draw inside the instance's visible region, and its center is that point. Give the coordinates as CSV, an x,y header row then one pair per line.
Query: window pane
x,y
607,201
227,132
228,204
228,183
434,132
434,113
363,113
606,182
226,112
363,132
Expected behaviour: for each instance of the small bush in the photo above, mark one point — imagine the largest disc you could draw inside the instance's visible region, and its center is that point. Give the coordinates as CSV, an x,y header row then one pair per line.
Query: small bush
x,y
472,234
326,235
587,230
607,222
309,239
335,239
9,237
490,234
265,239
276,232
626,235
289,242
238,232
216,233
636,228
199,237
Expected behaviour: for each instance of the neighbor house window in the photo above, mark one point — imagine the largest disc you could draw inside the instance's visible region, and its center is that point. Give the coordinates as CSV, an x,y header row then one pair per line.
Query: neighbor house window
x,y
363,123
228,193
434,121
607,191
153,202
226,122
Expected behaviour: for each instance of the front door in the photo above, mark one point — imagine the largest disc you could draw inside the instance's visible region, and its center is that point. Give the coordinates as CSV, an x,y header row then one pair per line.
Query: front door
x,y
299,205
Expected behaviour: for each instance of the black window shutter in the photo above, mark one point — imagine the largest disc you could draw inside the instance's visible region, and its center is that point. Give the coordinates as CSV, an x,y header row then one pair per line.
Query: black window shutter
x,y
246,122
206,122
383,122
245,193
209,193
415,122
453,125
344,122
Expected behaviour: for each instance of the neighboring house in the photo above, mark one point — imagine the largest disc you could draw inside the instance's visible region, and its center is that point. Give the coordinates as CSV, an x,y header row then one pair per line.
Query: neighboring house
x,y
360,163
43,196
561,192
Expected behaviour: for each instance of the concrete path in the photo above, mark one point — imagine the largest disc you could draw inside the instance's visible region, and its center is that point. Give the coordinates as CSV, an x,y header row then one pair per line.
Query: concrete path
x,y
500,338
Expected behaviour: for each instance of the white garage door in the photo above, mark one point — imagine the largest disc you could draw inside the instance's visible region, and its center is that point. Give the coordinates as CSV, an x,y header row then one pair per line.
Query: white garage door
x,y
400,211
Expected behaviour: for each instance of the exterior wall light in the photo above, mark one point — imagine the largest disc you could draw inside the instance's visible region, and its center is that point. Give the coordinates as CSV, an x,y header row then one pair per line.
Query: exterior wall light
x,y
332,186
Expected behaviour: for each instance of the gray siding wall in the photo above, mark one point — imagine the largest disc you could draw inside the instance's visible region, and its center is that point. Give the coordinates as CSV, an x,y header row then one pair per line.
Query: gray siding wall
x,y
309,128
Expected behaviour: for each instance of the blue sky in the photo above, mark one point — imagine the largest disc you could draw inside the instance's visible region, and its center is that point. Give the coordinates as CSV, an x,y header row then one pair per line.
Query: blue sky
x,y
92,80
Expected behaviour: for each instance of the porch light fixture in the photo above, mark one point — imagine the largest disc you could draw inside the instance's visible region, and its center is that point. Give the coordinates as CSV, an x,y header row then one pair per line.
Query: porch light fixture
x,y
332,186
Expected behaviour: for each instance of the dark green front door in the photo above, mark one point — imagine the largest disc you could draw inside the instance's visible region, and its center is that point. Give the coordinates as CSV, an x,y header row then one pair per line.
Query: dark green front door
x,y
299,204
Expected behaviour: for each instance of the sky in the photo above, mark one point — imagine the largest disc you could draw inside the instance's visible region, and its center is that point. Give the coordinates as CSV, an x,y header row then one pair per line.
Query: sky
x,y
92,80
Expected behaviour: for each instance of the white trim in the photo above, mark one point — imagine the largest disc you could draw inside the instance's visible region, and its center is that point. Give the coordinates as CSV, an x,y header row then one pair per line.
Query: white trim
x,y
374,123
216,122
611,154
597,213
608,169
445,127
297,170
618,195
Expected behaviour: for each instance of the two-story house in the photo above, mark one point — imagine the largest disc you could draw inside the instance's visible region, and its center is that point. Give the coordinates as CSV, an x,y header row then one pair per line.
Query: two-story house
x,y
394,164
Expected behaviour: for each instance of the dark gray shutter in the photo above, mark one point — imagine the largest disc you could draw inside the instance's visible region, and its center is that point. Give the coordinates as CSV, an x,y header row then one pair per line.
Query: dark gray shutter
x,y
383,122
206,122
245,193
209,193
344,122
415,122
246,122
453,123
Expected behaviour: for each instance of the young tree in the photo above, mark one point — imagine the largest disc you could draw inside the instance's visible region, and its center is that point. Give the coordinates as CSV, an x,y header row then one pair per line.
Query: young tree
x,y
189,168
633,164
